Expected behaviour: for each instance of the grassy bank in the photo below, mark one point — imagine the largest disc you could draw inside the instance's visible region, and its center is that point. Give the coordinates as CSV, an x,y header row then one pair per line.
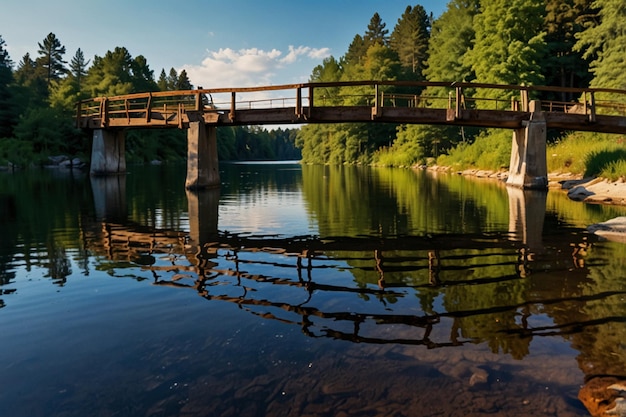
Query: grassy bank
x,y
581,153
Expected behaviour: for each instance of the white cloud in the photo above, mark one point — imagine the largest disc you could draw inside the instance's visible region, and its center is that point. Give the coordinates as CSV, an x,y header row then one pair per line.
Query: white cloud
x,y
227,67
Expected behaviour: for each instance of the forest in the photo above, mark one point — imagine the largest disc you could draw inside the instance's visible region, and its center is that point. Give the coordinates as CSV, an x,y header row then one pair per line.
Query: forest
x,y
568,43
565,43
37,108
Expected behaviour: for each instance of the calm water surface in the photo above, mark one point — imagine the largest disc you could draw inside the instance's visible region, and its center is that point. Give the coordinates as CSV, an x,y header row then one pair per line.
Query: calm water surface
x,y
302,291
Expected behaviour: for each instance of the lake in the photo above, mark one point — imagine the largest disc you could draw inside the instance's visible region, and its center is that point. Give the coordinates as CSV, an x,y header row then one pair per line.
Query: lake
x,y
302,291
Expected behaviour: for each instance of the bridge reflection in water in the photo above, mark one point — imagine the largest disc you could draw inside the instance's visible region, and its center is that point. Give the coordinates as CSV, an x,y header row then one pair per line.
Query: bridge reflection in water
x,y
205,258
469,288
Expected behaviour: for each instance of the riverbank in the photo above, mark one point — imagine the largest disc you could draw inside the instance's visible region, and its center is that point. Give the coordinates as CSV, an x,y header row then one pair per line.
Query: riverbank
x,y
587,190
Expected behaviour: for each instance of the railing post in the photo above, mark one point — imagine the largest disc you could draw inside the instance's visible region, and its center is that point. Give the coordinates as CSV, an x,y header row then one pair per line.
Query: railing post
x,y
231,115
299,102
104,111
592,115
311,99
149,108
457,107
525,100
376,109
198,100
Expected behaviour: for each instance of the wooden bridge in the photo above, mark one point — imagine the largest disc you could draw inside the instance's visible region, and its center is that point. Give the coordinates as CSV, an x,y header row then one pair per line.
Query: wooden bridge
x,y
201,111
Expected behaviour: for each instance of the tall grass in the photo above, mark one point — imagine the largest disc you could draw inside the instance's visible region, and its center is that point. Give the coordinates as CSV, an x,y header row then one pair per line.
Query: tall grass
x,y
490,150
589,154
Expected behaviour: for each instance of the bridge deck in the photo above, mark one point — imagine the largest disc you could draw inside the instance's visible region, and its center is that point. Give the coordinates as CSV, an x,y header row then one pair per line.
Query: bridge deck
x,y
362,101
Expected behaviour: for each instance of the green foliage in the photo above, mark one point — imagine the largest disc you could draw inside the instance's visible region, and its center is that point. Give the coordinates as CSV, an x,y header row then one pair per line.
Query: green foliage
x,y
490,150
16,152
564,66
509,46
592,154
49,132
451,37
606,161
118,73
409,39
605,43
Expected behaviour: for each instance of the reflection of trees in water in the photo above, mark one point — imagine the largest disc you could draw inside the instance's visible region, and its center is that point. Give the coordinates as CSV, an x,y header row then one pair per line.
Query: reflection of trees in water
x,y
350,201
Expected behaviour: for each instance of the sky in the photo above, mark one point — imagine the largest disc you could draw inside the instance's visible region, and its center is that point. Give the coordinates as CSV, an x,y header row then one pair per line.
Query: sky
x,y
221,44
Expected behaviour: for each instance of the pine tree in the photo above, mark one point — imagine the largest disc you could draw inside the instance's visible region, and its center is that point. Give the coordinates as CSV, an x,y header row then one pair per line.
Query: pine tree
x,y
410,39
51,58
162,81
78,67
7,118
376,32
183,82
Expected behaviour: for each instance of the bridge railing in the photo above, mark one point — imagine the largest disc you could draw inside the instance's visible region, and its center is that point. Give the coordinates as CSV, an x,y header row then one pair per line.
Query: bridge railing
x,y
169,108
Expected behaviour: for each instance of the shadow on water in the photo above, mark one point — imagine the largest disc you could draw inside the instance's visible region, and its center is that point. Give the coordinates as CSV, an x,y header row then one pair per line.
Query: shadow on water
x,y
462,280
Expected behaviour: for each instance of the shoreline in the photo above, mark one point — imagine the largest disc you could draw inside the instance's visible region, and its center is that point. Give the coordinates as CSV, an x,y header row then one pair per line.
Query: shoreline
x,y
587,190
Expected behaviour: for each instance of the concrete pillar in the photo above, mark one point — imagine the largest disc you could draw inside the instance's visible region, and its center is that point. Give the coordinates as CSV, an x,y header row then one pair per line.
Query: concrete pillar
x,y
108,152
202,164
528,168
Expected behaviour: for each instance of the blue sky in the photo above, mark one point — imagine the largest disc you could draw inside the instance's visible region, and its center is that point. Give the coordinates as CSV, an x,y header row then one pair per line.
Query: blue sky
x,y
225,43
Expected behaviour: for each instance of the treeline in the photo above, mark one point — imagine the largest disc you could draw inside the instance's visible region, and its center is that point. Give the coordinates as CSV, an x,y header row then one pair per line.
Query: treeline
x,y
568,43
38,97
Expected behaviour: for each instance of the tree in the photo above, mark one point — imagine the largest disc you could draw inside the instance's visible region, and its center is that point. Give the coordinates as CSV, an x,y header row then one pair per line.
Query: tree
x,y
451,37
7,116
174,81
78,67
51,58
162,81
118,73
183,82
509,46
564,66
376,32
356,50
31,89
605,45
410,39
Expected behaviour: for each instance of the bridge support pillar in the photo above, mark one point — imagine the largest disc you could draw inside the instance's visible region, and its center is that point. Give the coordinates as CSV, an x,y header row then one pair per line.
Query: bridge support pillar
x,y
202,163
528,168
108,152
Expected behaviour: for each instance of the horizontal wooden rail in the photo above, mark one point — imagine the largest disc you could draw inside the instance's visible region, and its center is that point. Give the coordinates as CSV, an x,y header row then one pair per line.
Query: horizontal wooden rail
x,y
384,101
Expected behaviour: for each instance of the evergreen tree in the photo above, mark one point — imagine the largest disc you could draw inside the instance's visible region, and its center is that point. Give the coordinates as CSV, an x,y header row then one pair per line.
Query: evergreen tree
x,y
509,46
7,116
605,45
410,39
142,77
51,58
356,50
172,79
376,32
183,82
31,87
565,67
162,81
78,68
118,73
